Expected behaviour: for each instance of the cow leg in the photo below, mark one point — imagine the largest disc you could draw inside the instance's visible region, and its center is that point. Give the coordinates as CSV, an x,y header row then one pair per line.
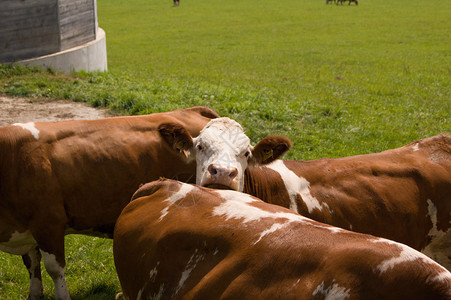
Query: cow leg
x,y
32,261
50,239
56,272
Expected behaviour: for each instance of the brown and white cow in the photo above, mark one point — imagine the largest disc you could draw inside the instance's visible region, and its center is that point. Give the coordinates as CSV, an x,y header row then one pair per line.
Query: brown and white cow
x,y
76,177
402,194
182,241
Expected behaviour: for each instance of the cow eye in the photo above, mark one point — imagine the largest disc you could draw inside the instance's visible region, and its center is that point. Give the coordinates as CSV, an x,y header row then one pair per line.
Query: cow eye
x,y
247,153
199,147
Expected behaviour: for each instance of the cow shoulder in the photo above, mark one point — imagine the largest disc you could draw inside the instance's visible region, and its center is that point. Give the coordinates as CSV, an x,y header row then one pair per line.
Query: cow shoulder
x,y
204,111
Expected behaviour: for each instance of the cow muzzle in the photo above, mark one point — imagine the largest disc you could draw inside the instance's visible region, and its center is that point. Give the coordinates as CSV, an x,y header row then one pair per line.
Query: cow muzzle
x,y
221,177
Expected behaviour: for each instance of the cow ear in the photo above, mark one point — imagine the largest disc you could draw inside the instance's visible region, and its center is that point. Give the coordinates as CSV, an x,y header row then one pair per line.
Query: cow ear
x,y
177,137
269,149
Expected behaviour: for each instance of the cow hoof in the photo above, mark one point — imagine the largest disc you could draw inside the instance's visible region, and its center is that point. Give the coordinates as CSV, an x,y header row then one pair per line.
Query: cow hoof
x,y
35,297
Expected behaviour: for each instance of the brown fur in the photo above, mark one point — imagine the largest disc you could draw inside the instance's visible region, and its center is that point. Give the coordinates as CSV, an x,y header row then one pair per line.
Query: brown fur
x,y
79,175
383,194
223,257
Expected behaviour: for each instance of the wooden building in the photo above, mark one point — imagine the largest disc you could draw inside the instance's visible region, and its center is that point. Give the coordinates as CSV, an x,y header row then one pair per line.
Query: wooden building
x,y
34,28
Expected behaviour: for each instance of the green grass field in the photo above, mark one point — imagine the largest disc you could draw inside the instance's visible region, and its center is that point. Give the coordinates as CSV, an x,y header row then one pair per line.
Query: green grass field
x,y
337,80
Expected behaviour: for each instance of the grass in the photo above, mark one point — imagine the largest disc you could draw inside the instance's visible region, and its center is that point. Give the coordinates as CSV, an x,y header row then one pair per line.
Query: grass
x,y
90,273
337,80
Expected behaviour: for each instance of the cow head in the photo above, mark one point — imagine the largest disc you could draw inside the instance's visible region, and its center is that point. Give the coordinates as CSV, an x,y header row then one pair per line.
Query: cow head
x,y
223,151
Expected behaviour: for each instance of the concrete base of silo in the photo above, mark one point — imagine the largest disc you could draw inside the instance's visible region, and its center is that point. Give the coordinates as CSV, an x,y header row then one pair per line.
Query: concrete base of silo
x,y
89,57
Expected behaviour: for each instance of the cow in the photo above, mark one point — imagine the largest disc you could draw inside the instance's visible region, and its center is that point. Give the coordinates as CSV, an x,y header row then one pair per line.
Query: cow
x,y
181,241
401,194
176,2
76,176
350,1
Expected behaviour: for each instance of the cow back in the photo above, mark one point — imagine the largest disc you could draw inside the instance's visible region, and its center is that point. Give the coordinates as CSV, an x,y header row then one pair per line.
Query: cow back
x,y
181,241
83,172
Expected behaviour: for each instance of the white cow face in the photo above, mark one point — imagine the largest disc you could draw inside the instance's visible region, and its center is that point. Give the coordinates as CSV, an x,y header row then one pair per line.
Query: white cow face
x,y
222,151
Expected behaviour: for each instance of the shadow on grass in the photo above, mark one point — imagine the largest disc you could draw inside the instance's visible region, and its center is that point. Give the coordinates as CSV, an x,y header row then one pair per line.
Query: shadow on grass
x,y
100,291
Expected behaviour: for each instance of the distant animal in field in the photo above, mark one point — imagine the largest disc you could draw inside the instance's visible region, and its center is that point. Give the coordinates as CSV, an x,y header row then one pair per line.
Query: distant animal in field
x,y
176,2
341,1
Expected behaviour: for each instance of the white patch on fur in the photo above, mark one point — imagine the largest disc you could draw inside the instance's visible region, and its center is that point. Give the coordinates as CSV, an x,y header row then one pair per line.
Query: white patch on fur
x,y
407,254
181,193
57,273
238,206
237,196
190,266
164,212
432,213
153,274
333,292
36,289
159,295
140,292
30,126
297,185
416,147
437,249
445,275
273,228
20,243
335,229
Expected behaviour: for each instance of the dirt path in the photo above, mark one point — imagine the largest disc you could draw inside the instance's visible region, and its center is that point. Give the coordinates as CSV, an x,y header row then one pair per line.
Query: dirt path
x,y
20,110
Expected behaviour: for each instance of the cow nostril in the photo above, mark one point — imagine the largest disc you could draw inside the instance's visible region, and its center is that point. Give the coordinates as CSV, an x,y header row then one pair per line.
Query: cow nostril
x,y
212,169
233,173
218,171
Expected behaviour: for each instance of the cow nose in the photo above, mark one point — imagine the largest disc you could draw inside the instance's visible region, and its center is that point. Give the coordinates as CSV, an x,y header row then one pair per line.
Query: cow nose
x,y
222,171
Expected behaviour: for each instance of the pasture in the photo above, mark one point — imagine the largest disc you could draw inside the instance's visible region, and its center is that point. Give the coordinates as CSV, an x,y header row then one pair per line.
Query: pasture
x,y
336,80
